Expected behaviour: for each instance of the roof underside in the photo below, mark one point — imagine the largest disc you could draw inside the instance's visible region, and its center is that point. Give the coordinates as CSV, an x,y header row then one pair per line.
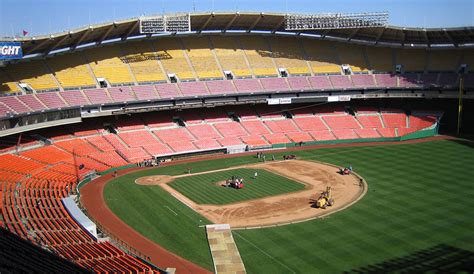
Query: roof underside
x,y
203,22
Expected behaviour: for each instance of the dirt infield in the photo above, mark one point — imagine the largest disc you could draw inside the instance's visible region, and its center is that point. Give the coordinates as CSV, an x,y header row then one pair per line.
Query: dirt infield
x,y
279,209
93,200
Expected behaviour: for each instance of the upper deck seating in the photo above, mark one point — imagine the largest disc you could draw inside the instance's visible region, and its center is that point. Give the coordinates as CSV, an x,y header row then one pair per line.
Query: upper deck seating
x,y
230,55
7,86
444,60
352,55
105,62
202,58
288,53
71,71
33,73
143,62
259,56
173,59
380,59
412,60
322,56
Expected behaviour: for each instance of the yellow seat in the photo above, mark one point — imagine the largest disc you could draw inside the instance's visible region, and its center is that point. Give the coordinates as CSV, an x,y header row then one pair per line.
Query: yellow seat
x,y
172,58
322,56
352,55
106,63
288,53
71,70
380,59
230,56
413,60
444,60
34,73
143,61
259,55
201,57
6,85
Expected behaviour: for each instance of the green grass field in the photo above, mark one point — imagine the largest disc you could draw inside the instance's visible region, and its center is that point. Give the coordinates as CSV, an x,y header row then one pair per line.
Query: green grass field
x,y
204,189
417,215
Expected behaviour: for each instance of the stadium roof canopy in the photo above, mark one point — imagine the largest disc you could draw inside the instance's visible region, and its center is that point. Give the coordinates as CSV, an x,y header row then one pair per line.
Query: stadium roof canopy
x,y
271,22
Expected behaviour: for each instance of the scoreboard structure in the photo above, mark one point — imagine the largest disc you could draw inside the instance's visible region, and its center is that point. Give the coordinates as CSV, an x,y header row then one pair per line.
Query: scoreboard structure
x,y
165,23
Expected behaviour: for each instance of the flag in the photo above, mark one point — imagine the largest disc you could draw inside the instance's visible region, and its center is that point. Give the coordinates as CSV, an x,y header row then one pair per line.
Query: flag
x,y
25,33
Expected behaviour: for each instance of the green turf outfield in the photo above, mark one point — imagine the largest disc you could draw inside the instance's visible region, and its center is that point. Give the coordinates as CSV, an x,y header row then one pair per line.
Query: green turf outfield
x,y
419,210
205,189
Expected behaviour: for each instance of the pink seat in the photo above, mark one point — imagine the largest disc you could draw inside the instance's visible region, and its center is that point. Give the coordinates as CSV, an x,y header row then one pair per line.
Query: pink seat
x,y
320,82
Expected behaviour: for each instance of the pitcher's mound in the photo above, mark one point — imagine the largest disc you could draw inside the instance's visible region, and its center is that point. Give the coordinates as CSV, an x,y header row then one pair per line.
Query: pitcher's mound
x,y
154,180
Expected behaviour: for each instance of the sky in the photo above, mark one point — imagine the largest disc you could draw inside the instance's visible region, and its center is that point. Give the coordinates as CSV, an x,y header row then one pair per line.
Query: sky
x,y
51,16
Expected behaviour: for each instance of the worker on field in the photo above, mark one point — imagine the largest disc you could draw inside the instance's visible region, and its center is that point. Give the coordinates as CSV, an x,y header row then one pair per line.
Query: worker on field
x,y
255,175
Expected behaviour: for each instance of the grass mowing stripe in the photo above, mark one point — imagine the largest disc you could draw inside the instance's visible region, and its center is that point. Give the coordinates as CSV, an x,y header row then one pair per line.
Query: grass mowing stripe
x,y
419,197
204,188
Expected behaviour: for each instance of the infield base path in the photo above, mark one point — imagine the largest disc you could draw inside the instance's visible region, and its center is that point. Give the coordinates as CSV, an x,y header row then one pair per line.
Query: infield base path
x,y
279,209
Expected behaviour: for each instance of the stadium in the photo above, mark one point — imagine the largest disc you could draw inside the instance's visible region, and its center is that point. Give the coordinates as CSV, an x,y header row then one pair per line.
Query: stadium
x,y
238,142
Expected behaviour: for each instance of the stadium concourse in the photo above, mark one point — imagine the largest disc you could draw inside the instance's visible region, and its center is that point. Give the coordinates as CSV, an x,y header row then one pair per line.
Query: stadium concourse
x,y
73,115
